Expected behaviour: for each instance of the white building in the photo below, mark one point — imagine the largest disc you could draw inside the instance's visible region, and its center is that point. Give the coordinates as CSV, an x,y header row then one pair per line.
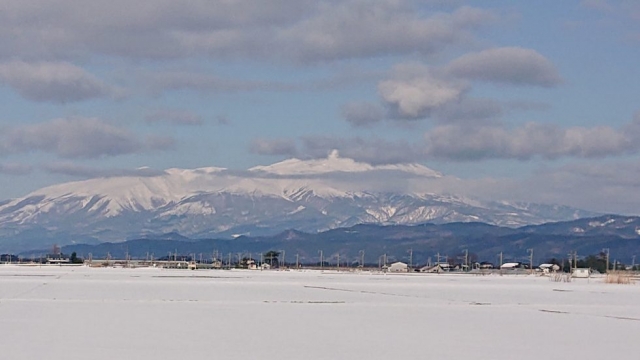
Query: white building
x,y
398,267
509,266
548,268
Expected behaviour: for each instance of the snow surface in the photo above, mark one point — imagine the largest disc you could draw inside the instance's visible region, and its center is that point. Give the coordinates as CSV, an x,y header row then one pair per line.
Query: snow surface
x,y
91,313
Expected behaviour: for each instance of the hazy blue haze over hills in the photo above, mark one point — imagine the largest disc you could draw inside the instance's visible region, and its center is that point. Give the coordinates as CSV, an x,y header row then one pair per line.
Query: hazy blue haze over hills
x,y
619,234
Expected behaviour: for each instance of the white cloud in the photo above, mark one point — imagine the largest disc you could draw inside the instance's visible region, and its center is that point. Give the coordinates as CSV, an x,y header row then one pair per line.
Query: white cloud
x,y
509,65
52,82
370,150
276,29
482,140
466,143
74,138
357,28
414,90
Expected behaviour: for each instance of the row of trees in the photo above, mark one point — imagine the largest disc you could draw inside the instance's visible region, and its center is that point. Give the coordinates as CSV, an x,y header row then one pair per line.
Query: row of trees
x,y
596,262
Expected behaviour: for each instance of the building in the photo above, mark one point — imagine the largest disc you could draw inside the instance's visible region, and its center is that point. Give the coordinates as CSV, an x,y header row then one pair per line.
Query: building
x,y
437,268
510,266
398,267
548,268
581,273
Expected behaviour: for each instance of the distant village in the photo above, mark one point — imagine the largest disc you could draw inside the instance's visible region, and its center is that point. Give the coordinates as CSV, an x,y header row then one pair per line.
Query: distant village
x,y
275,260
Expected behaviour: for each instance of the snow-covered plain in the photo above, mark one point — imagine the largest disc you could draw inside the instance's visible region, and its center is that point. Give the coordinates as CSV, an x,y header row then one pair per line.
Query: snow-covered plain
x,y
108,313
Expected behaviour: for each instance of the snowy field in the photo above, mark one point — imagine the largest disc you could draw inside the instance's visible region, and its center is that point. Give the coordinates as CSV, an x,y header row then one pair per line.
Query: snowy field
x,y
94,313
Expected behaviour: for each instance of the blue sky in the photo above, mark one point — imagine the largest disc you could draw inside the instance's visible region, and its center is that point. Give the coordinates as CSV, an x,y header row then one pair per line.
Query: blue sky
x,y
523,100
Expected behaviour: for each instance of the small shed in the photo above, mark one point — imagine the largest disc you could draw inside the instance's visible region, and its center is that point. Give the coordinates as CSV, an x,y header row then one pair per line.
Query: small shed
x,y
581,273
398,267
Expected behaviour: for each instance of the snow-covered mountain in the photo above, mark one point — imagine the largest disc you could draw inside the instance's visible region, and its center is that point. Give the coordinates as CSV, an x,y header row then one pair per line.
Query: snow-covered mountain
x,y
308,195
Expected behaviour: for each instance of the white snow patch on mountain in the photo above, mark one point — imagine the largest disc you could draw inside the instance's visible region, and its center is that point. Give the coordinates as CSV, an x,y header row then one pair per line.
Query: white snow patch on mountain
x,y
335,163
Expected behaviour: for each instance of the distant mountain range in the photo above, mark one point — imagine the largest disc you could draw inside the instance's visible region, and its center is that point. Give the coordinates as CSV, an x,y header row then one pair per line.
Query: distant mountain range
x,y
306,195
619,234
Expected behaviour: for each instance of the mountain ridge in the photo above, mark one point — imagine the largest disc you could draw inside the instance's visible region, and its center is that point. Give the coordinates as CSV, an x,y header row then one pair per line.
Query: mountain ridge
x,y
307,195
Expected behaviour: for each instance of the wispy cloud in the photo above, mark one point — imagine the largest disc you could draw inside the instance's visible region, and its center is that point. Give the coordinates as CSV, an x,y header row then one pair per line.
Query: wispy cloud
x,y
509,65
469,143
15,169
53,82
304,30
72,169
76,138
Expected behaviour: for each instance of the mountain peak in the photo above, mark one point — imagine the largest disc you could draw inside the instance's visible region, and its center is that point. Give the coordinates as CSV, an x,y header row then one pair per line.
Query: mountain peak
x,y
334,163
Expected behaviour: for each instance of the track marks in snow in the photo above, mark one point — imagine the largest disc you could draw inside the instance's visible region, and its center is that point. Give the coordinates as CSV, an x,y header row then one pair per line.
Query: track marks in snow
x,y
303,302
457,301
593,315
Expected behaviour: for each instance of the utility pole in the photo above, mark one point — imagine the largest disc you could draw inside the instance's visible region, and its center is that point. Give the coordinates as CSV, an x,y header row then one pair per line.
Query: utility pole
x,y
321,259
297,261
530,260
362,259
410,258
229,261
338,263
466,258
607,257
